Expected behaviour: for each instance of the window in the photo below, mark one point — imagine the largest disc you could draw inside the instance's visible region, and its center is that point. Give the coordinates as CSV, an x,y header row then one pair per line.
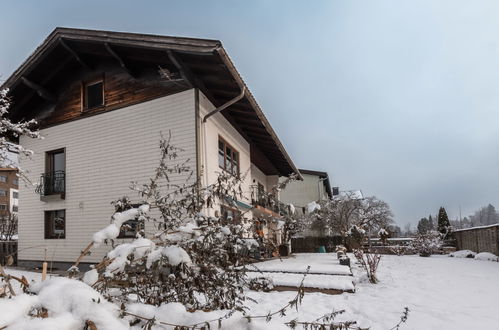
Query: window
x,y
55,224
15,181
93,94
3,178
15,208
228,158
3,192
130,228
3,207
15,194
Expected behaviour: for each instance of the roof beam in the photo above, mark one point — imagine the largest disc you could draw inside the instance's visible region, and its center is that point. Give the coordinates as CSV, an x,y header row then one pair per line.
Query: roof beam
x,y
75,54
40,90
188,75
185,73
120,60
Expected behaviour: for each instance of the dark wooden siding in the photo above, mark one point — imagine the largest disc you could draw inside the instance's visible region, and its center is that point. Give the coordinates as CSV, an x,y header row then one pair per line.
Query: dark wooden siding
x,y
120,90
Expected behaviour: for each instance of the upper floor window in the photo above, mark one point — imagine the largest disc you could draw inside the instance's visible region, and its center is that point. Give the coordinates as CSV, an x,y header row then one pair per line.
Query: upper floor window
x,y
15,181
3,207
228,157
3,178
3,192
15,194
93,94
55,224
15,208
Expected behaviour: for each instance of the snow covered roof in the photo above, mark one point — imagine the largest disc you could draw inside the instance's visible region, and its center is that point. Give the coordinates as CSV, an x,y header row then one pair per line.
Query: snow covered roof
x,y
201,63
478,227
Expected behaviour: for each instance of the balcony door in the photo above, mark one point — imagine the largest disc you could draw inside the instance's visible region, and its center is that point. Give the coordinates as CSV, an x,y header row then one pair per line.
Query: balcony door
x,y
56,167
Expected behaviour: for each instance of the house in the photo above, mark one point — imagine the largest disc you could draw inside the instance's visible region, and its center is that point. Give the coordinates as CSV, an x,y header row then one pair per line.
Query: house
x,y
314,187
102,100
9,193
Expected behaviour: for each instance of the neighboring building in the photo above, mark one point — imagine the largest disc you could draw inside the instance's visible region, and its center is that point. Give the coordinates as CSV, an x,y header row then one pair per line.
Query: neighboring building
x,y
314,187
102,99
9,193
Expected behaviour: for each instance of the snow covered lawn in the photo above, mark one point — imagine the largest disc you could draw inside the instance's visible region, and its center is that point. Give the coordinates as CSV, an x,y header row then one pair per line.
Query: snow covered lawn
x,y
441,293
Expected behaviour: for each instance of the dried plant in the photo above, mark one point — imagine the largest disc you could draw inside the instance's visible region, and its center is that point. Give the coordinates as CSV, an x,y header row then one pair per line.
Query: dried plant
x,y
369,262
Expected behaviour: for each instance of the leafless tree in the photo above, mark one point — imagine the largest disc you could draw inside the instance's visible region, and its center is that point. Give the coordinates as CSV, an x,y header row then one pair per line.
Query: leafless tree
x,y
340,213
8,226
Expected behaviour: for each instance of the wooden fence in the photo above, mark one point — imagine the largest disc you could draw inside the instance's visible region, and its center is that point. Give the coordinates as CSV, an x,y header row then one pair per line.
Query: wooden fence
x,y
479,239
8,248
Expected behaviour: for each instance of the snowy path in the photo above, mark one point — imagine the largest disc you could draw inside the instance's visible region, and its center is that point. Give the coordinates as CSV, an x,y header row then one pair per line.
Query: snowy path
x,y
320,263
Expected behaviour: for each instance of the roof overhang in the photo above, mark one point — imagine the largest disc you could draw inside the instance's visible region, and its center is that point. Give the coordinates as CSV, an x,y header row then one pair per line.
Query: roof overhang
x,y
202,63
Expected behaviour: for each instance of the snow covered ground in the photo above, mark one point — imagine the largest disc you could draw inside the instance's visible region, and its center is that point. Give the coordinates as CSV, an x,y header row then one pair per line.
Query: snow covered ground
x,y
441,293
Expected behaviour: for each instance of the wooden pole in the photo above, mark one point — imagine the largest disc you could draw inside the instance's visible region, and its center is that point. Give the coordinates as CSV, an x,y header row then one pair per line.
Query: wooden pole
x,y
44,271
44,267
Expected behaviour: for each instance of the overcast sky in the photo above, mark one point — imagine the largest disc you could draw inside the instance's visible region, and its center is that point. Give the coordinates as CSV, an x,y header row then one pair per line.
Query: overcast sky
x,y
397,98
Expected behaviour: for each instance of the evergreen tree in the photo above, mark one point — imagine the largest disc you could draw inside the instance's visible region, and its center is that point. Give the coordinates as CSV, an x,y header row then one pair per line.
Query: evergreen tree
x,y
431,225
491,216
423,226
443,222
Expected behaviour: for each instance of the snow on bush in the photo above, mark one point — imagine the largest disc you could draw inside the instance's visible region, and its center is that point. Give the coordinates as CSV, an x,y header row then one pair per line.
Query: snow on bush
x,y
463,254
60,303
487,256
312,206
427,243
14,130
113,230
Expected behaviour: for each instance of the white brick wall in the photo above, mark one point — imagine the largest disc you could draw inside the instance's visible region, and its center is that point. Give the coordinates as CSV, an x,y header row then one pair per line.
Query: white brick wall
x,y
104,153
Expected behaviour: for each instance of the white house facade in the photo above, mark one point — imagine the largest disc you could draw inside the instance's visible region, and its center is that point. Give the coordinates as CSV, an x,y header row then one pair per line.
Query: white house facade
x,y
102,110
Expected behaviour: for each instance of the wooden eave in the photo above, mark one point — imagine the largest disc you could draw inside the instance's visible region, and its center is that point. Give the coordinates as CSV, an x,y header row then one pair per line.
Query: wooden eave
x,y
202,64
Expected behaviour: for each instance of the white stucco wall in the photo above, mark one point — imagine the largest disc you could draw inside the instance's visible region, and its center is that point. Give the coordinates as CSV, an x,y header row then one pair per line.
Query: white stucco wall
x,y
217,126
300,193
104,153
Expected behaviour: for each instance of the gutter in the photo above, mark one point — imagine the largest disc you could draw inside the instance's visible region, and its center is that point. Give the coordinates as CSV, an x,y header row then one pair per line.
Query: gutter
x,y
232,69
226,104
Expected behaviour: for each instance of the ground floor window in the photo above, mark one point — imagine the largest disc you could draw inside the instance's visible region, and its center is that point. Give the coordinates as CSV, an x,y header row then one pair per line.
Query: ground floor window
x,y
130,228
229,214
55,224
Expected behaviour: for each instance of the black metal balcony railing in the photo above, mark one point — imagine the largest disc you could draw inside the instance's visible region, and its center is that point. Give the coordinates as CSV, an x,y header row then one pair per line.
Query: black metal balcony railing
x,y
268,201
52,183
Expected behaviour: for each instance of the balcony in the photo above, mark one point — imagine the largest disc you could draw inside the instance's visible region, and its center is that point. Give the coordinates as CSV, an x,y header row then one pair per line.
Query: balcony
x,y
52,185
268,202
